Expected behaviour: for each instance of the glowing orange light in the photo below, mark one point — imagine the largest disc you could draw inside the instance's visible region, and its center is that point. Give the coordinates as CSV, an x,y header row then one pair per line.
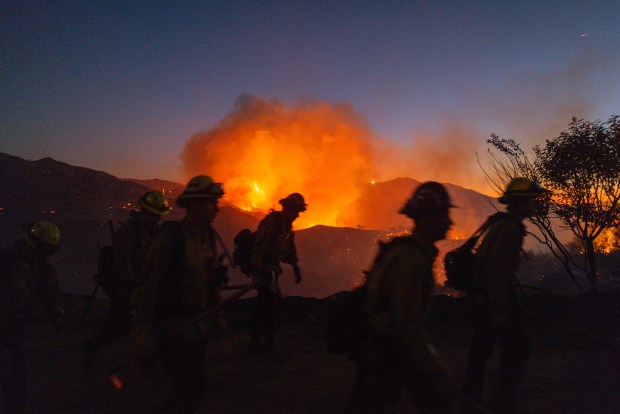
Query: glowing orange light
x,y
265,151
607,242
116,381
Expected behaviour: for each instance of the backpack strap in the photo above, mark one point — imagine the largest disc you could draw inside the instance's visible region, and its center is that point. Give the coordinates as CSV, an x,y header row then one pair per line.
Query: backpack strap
x,y
492,219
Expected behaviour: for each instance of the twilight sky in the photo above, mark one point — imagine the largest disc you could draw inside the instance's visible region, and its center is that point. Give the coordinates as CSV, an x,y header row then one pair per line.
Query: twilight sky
x,y
122,86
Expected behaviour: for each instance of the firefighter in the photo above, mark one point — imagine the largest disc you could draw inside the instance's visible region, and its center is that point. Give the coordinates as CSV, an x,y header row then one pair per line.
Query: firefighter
x,y
129,246
496,316
397,354
274,244
182,272
26,275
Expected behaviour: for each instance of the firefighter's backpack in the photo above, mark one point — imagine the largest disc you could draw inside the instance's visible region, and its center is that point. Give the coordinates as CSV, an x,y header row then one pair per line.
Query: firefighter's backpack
x,y
462,266
242,253
346,328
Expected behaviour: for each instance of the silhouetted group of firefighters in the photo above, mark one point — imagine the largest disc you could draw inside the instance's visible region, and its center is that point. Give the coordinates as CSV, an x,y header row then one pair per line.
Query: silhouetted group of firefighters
x,y
167,279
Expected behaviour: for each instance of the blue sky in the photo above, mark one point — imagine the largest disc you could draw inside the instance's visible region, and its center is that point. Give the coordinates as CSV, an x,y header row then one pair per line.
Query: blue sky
x,y
121,86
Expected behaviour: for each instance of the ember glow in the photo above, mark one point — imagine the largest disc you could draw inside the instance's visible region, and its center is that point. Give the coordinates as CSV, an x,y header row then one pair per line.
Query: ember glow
x,y
608,241
116,381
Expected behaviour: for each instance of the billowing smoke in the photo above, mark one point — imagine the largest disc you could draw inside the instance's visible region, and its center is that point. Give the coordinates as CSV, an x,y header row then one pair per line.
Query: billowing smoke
x,y
448,156
264,150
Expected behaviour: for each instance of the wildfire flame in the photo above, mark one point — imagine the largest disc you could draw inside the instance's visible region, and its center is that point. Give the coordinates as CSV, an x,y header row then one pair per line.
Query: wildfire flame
x,y
264,150
608,241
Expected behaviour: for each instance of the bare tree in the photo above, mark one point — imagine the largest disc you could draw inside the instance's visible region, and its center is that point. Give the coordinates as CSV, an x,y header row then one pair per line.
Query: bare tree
x,y
582,168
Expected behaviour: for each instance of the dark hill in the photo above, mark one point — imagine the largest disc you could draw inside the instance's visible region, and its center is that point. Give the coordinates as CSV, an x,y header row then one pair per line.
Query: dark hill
x,y
81,201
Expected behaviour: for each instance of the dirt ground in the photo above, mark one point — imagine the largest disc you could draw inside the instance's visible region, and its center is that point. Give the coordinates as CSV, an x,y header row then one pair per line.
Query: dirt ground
x,y
572,368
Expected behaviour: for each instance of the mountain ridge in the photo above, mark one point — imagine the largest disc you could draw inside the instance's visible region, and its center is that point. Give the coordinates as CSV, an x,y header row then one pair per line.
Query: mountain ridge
x,y
82,201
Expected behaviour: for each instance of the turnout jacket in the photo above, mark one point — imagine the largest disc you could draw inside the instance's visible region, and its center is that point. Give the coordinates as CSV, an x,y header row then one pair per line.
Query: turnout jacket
x,y
26,277
131,242
400,296
499,252
180,281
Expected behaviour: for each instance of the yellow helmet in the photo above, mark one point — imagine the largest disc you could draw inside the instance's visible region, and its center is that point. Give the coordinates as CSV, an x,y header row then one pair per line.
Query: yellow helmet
x,y
201,186
44,236
155,202
521,188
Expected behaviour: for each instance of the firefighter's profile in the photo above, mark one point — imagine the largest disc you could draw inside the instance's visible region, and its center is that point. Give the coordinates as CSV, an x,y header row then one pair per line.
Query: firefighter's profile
x,y
496,316
123,275
182,271
397,354
26,276
274,244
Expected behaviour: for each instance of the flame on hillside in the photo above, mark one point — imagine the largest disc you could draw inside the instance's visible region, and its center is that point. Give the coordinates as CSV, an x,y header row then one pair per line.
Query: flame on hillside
x,y
264,150
608,241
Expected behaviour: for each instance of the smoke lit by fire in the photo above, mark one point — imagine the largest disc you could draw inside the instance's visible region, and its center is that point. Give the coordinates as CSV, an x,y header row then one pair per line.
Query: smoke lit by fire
x,y
264,150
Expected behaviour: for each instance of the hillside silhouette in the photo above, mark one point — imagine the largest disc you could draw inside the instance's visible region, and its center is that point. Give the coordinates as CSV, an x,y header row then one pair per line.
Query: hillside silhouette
x,y
81,201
